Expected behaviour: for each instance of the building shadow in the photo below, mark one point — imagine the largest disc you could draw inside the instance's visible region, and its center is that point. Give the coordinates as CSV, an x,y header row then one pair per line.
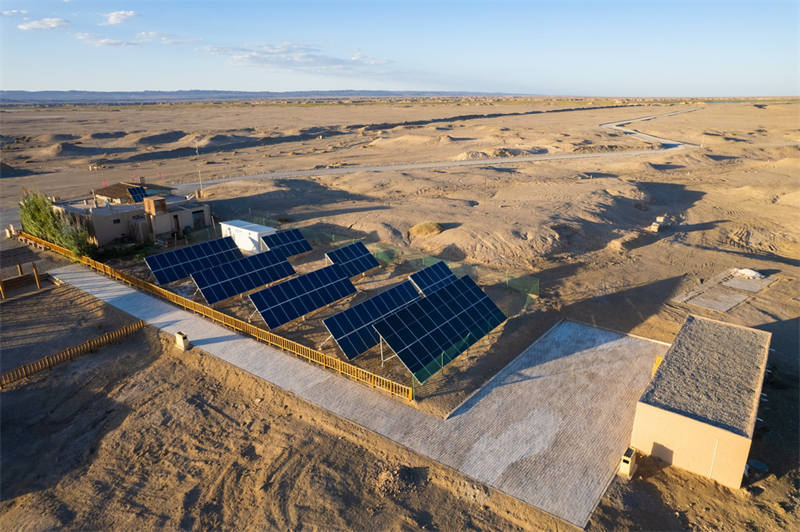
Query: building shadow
x,y
55,423
292,202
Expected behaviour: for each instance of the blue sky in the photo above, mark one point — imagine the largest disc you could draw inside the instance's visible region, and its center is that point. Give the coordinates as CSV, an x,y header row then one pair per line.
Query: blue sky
x,y
593,48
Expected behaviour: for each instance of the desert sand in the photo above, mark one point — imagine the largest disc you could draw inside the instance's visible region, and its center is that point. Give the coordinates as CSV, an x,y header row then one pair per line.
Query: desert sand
x,y
577,224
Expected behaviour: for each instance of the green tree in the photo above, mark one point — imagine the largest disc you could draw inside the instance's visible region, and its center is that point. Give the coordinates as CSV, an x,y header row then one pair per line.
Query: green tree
x,y
39,219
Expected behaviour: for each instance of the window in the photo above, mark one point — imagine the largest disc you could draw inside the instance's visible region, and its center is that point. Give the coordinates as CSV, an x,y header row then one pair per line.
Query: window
x,y
116,221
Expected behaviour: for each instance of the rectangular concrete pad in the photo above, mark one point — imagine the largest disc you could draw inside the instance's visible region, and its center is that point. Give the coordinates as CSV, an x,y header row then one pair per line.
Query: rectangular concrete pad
x,y
717,298
749,285
549,429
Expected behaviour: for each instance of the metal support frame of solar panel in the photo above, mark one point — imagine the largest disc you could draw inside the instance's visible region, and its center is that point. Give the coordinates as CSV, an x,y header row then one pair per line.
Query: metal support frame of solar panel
x,y
290,242
433,277
183,262
352,328
430,332
137,193
239,276
291,299
354,259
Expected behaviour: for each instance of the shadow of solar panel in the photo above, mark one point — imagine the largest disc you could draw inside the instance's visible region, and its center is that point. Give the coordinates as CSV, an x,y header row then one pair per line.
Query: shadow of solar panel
x,y
228,280
289,243
352,328
430,332
297,297
432,278
354,259
137,193
181,263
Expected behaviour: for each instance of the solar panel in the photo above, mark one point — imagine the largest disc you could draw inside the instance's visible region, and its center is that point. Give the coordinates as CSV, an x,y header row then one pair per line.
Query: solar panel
x,y
297,297
432,278
354,259
137,193
243,275
183,262
352,328
289,243
430,332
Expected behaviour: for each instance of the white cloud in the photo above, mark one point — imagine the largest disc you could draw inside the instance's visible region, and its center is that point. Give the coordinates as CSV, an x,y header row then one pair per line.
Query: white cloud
x,y
163,38
297,57
118,17
15,12
45,24
99,40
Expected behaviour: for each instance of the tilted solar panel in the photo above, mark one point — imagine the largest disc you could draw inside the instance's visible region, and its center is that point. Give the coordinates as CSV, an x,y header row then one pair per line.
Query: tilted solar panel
x,y
287,301
137,193
289,243
430,332
432,278
239,276
354,259
183,262
352,328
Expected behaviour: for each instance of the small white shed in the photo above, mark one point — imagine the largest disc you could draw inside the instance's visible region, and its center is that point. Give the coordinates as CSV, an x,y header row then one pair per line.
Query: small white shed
x,y
246,235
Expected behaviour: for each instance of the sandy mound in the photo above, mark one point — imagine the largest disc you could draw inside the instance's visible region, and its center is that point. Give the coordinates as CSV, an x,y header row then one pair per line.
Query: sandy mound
x,y
425,229
471,156
54,137
205,141
64,149
498,153
161,138
6,170
413,141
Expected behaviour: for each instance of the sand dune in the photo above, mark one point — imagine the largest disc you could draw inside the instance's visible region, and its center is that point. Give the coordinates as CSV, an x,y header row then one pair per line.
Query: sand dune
x,y
55,137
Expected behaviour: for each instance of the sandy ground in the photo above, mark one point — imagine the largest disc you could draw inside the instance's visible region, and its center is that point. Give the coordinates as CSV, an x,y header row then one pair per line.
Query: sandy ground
x,y
578,225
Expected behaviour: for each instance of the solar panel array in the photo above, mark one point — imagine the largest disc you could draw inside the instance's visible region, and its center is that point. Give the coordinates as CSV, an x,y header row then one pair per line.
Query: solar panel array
x,y
239,276
352,328
289,243
137,193
183,262
432,331
432,278
297,297
354,259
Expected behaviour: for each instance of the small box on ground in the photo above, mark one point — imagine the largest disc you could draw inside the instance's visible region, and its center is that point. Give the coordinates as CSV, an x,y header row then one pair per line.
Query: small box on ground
x,y
182,341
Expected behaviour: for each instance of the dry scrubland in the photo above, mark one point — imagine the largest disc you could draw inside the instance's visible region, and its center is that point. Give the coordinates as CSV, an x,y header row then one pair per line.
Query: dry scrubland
x,y
171,440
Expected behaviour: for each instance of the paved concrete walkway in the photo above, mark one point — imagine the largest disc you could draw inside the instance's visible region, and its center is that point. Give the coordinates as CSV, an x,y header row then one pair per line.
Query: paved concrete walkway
x,y
549,429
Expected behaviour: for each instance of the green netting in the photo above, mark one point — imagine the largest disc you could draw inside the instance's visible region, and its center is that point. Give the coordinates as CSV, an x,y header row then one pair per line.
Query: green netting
x,y
527,284
447,356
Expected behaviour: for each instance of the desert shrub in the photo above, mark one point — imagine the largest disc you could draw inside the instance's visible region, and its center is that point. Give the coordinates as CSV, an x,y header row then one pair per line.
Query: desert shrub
x,y
39,219
425,229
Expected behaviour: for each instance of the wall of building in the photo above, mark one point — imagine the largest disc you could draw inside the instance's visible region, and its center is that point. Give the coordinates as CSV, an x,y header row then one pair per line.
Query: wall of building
x,y
165,223
105,228
690,444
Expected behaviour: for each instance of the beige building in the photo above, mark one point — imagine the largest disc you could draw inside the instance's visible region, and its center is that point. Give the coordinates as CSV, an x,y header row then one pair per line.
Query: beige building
x,y
699,411
156,218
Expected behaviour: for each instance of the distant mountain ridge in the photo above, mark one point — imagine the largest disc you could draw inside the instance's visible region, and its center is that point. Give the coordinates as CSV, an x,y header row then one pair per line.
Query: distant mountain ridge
x,y
23,97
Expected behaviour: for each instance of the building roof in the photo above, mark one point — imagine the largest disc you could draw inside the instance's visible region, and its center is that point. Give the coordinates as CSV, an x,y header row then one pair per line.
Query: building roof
x,y
120,190
249,226
713,373
86,207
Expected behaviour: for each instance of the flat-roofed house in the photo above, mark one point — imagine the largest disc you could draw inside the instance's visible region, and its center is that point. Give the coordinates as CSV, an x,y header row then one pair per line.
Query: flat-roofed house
x,y
699,410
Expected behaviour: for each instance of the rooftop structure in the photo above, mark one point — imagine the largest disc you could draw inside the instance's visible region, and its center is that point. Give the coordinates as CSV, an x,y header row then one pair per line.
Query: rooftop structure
x,y
712,373
699,411
120,192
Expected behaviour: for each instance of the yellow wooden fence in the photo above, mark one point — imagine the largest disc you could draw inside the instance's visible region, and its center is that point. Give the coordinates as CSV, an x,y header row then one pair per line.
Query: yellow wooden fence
x,y
312,355
48,362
